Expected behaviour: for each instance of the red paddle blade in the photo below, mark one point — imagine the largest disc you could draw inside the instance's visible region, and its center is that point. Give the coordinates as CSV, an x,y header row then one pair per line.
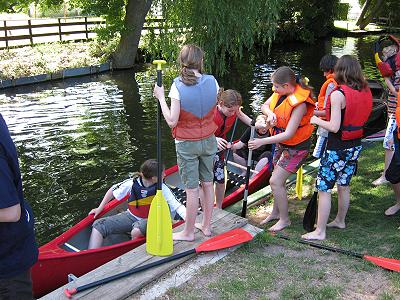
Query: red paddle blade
x,y
225,240
387,263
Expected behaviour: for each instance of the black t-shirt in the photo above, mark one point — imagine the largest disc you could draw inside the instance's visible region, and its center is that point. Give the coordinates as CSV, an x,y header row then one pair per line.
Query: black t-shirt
x,y
18,249
257,152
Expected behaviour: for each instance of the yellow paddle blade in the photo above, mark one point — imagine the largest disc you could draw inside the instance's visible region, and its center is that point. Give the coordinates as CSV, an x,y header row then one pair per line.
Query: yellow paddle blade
x,y
159,227
299,183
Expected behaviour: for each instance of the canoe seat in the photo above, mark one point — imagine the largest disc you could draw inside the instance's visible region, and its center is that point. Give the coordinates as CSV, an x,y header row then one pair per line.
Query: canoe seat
x,y
179,193
236,179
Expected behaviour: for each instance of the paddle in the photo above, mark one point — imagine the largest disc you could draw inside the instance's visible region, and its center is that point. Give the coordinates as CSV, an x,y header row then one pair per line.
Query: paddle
x,y
159,225
310,214
246,189
228,152
386,263
299,183
225,240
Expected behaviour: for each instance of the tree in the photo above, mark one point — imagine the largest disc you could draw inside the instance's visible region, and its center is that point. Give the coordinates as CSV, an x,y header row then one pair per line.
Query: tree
x,y
370,9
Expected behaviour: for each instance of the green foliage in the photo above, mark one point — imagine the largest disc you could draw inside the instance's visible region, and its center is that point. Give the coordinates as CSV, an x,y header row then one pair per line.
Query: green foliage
x,y
342,11
225,29
306,21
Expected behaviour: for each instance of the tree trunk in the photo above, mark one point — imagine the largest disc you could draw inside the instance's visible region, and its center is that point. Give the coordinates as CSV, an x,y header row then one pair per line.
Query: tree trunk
x,y
136,12
369,11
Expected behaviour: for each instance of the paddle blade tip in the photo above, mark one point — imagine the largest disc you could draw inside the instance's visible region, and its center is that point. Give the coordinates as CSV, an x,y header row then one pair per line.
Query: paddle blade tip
x,y
386,263
70,292
227,239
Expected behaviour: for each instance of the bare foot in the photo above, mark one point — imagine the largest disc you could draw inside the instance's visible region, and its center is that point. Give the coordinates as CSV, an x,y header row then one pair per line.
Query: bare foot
x,y
336,224
314,235
392,210
205,231
269,218
279,226
181,236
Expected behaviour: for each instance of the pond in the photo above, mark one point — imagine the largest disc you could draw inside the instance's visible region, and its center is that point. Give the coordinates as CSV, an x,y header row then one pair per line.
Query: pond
x,y
77,137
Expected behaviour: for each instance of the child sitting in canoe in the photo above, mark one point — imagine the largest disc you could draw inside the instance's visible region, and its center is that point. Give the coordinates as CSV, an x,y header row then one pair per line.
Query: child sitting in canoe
x,y
261,155
139,192
228,109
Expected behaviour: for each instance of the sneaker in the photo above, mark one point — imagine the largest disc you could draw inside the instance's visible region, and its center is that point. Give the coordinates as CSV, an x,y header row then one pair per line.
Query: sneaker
x,y
379,181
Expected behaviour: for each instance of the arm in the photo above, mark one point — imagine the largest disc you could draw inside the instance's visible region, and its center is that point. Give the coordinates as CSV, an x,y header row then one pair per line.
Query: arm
x,y
174,205
390,86
171,116
238,145
10,214
294,122
320,113
271,117
107,198
243,117
338,102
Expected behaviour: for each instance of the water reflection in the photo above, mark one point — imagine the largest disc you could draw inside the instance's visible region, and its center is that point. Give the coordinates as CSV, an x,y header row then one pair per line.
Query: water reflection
x,y
77,137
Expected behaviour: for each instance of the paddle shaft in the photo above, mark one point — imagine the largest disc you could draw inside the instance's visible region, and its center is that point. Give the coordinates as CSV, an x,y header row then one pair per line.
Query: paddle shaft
x,y
129,272
319,246
228,152
246,189
159,180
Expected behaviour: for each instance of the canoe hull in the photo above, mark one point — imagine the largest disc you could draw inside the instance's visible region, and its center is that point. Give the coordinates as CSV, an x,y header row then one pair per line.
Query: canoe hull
x,y
55,263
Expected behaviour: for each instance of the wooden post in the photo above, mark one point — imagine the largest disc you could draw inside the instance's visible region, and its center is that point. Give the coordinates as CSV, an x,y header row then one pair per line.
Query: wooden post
x,y
59,29
86,28
30,31
5,33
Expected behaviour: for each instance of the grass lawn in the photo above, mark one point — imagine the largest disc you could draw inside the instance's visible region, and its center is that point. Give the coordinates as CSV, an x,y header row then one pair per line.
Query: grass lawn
x,y
272,268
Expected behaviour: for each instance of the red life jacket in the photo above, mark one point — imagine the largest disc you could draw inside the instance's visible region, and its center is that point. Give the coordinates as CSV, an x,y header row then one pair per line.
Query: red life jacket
x,y
223,122
140,198
358,108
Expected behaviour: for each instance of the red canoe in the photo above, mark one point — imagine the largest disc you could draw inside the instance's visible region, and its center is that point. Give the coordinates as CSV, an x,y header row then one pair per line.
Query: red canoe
x,y
68,254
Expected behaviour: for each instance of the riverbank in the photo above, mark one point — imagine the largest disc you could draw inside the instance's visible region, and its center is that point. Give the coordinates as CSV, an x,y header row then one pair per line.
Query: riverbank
x,y
47,58
277,269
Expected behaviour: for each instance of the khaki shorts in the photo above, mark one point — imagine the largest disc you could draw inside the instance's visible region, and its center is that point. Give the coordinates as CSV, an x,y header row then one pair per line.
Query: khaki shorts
x,y
121,223
195,161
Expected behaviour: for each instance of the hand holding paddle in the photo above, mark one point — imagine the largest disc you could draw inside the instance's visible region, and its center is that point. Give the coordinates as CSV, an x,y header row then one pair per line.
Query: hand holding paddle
x,y
225,240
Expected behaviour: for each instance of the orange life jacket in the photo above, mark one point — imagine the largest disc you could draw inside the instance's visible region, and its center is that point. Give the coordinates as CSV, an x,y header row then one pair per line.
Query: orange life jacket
x,y
140,198
398,114
358,108
223,122
322,91
284,110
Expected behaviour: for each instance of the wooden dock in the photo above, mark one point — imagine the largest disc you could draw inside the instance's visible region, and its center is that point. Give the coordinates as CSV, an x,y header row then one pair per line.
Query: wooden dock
x,y
126,287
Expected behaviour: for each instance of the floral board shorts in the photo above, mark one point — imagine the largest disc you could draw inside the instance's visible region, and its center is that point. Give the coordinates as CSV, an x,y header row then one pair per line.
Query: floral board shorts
x,y
388,139
289,159
219,167
337,166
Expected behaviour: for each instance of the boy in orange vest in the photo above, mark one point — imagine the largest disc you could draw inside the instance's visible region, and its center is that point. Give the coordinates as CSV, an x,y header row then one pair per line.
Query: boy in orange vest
x,y
327,64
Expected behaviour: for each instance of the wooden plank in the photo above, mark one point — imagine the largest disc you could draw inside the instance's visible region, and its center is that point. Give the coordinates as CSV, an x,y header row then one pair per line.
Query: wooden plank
x,y
222,221
187,270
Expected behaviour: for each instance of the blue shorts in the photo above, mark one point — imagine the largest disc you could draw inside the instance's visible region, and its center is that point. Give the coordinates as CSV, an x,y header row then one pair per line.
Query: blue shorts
x,y
337,166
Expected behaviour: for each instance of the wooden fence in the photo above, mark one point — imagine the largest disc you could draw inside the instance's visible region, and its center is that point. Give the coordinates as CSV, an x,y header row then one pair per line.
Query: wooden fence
x,y
17,33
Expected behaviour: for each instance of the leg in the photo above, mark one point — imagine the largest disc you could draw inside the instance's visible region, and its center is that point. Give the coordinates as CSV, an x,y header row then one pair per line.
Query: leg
x,y
343,207
324,208
395,208
205,225
96,239
192,205
278,187
219,193
261,164
238,159
388,159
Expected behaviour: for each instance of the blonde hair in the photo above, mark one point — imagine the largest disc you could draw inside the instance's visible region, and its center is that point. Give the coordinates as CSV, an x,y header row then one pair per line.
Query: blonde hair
x,y
229,98
348,72
190,57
